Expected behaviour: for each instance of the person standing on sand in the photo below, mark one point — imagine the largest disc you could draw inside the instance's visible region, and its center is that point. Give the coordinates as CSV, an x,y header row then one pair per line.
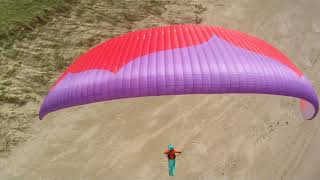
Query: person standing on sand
x,y
171,154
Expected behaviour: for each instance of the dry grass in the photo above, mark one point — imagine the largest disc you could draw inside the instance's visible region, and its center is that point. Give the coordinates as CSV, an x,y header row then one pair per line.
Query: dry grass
x,y
18,16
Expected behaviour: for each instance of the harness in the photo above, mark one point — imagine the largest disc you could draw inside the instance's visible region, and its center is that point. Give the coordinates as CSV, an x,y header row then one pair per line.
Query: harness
x,y
171,155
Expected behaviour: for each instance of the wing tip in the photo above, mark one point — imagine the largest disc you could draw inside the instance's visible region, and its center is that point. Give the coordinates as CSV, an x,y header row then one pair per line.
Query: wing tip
x,y
308,110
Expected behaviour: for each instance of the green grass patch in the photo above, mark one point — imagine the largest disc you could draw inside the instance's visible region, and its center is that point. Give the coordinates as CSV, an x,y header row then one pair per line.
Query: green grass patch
x,y
17,15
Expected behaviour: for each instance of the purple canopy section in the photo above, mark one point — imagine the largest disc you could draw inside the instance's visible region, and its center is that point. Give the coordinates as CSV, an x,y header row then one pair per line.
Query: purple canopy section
x,y
216,66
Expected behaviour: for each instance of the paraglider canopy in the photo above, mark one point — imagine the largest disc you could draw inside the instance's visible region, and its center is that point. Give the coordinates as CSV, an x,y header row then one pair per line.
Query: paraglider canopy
x,y
180,59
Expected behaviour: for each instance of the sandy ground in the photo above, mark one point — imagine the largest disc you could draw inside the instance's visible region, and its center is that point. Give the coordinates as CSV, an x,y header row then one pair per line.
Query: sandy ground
x,y
222,136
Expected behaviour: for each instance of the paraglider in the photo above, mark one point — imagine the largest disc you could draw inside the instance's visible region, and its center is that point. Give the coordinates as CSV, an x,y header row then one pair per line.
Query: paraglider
x,y
180,59
171,154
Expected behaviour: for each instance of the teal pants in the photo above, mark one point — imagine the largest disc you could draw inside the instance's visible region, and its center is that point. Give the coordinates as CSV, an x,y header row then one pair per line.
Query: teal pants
x,y
172,167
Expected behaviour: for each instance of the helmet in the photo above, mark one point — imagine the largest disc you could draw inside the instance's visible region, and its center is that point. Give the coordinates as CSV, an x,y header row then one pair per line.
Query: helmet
x,y
170,147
